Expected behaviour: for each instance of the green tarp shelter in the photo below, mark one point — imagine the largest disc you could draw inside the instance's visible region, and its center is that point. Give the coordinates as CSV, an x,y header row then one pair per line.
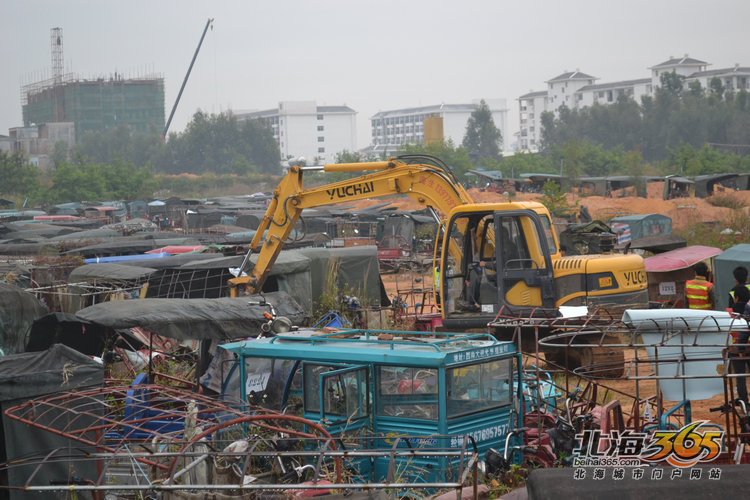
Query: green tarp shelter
x,y
724,264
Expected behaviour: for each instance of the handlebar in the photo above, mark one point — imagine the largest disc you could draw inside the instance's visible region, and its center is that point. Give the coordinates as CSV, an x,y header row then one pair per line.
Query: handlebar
x,y
735,402
512,433
574,396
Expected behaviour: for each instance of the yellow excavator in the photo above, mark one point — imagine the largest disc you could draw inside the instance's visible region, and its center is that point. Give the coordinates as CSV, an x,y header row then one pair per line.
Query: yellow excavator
x,y
489,256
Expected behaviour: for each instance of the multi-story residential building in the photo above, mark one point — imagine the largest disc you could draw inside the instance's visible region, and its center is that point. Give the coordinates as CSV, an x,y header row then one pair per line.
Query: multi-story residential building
x,y
531,105
563,89
683,66
577,90
302,128
732,79
407,126
608,93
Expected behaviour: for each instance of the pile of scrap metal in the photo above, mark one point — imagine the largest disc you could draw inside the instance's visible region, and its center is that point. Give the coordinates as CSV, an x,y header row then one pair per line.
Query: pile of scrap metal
x,y
144,439
587,239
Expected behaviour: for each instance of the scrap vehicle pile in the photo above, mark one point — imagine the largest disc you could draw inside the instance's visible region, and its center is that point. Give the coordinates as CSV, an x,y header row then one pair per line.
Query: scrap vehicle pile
x,y
196,372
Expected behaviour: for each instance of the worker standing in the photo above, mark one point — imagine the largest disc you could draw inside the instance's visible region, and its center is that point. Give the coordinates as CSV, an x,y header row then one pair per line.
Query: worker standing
x,y
740,360
740,278
699,291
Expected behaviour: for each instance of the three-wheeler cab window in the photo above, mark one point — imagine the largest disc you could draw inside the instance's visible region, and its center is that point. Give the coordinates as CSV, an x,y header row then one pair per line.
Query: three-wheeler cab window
x,y
407,392
478,387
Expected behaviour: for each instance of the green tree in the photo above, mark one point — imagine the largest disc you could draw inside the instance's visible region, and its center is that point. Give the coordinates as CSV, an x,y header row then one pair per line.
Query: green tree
x,y
119,143
20,178
661,123
125,181
521,163
695,89
672,83
60,153
347,156
482,138
548,136
555,200
457,158
77,181
634,167
220,144
83,180
717,88
262,148
319,178
572,159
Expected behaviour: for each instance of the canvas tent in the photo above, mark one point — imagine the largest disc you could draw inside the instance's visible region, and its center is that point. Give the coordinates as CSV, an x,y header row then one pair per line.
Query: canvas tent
x,y
633,227
676,187
301,273
357,268
724,264
705,185
209,278
399,227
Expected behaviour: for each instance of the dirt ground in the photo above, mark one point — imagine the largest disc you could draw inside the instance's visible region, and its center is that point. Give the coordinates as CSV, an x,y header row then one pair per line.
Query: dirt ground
x,y
683,211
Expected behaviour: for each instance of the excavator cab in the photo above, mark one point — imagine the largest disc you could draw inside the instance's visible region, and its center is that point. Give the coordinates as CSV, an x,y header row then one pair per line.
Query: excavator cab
x,y
493,260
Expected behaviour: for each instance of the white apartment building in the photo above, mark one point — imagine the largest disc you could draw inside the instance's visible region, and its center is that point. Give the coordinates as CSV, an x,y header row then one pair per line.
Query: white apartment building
x,y
577,90
406,126
608,93
733,79
302,128
531,105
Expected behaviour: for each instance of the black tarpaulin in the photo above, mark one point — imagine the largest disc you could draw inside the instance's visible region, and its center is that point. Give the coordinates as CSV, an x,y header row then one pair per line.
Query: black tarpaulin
x,y
64,328
109,272
29,375
193,319
18,310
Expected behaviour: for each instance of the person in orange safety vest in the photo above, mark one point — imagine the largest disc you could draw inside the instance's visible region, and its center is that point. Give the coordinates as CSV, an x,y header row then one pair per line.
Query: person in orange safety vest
x,y
699,291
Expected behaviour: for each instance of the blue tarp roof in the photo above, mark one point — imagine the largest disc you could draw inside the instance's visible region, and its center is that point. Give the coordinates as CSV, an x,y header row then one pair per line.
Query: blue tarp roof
x,y
120,258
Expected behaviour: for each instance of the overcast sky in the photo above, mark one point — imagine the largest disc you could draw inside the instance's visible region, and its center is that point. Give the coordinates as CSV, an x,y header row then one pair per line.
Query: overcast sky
x,y
369,55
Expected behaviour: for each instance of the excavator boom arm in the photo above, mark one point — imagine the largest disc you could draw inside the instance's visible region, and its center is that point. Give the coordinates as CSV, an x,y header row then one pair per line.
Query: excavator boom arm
x,y
432,185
